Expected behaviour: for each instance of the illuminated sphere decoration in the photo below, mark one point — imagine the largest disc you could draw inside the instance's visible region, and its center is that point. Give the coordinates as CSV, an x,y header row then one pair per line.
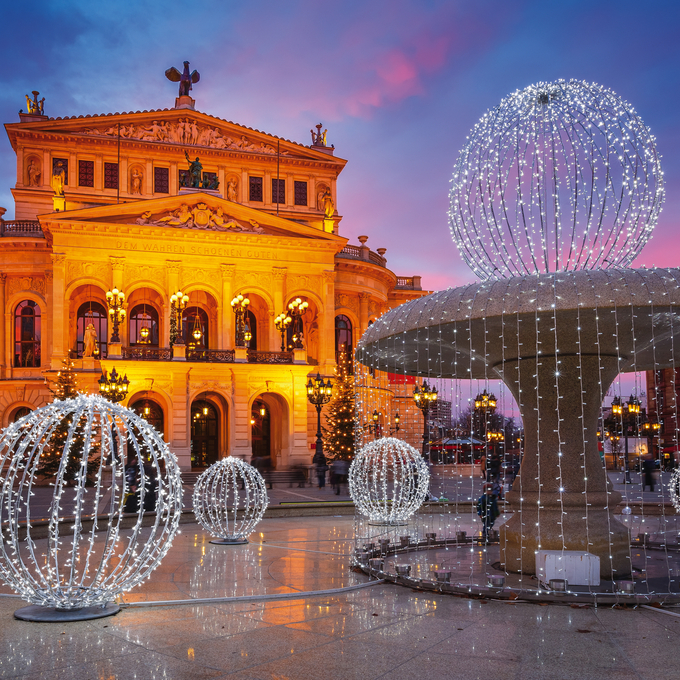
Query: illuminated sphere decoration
x,y
230,498
674,489
82,565
388,481
558,177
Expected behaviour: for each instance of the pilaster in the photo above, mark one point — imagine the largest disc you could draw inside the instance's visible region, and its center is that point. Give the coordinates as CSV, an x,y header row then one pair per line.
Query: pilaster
x,y
227,327
59,310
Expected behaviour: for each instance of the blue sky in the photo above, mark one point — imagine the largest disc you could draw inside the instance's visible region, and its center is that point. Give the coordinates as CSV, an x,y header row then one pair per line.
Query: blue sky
x,y
398,83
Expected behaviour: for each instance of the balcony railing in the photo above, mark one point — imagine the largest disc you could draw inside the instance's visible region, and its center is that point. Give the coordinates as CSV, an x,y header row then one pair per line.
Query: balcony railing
x,y
140,353
362,253
30,228
219,356
255,357
409,282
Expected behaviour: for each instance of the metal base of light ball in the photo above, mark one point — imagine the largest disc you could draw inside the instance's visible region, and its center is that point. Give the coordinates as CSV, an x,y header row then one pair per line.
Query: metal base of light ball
x,y
39,614
229,541
382,523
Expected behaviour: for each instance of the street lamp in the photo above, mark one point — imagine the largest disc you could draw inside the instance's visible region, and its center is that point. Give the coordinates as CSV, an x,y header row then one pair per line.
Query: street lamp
x,y
243,335
282,322
652,430
178,302
318,394
115,301
296,310
625,419
374,426
397,421
113,386
424,396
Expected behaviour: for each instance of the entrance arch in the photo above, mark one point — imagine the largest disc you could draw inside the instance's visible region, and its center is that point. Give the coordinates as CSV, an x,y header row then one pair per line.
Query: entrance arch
x,y
271,433
205,434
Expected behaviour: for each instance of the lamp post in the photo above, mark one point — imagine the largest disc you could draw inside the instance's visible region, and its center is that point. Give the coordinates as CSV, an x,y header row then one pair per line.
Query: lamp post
x,y
296,310
625,420
485,405
424,396
243,335
652,430
318,394
282,322
112,386
115,301
178,302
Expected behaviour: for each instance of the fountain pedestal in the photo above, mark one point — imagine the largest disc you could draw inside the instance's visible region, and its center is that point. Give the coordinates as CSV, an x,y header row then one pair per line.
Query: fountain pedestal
x,y
562,499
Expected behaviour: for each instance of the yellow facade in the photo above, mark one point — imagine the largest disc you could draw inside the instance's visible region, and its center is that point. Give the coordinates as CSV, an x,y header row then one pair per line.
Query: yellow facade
x,y
125,222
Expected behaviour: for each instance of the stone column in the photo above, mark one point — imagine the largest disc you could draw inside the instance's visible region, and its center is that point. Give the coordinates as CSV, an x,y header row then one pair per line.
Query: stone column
x,y
327,327
364,299
59,309
47,170
3,359
561,483
228,339
279,276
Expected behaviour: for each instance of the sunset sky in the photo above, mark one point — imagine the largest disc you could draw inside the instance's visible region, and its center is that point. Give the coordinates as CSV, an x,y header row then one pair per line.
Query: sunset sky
x,y
398,84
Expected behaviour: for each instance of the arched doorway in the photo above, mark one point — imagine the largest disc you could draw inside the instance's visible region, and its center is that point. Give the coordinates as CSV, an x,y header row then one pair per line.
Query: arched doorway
x,y
92,312
204,434
20,413
260,434
151,411
195,328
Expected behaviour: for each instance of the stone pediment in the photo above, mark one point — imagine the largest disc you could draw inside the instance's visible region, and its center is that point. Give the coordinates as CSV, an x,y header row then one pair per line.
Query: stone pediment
x,y
197,212
175,127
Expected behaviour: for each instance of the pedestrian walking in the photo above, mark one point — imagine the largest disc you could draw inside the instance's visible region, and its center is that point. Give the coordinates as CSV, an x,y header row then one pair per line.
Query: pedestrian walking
x,y
649,470
487,509
320,466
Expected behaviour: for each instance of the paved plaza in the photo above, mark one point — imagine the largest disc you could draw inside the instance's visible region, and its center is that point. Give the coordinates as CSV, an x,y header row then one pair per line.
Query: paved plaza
x,y
364,631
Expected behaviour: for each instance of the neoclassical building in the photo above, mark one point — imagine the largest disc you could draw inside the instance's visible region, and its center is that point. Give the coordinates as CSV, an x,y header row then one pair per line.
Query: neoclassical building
x,y
106,201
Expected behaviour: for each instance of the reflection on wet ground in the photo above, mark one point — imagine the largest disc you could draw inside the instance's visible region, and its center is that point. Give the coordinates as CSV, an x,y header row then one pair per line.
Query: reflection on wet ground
x,y
383,631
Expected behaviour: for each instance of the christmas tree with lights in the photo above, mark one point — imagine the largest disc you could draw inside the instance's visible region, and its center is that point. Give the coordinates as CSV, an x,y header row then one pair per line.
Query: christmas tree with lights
x,y
339,431
66,387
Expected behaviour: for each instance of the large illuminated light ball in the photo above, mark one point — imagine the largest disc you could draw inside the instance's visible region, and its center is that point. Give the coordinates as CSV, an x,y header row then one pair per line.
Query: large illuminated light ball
x,y
388,481
97,545
674,489
559,176
230,498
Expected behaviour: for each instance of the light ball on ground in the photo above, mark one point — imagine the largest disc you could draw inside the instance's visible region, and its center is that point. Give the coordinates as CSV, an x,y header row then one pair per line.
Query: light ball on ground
x,y
230,498
388,480
86,561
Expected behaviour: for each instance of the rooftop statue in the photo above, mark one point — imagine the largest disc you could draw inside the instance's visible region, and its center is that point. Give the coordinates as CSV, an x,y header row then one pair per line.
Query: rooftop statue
x,y
195,171
35,106
184,79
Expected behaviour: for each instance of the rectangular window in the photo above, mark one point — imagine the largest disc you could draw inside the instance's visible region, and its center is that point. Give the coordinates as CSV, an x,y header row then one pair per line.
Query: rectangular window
x,y
300,193
209,179
85,173
161,180
255,193
184,178
278,191
110,175
64,165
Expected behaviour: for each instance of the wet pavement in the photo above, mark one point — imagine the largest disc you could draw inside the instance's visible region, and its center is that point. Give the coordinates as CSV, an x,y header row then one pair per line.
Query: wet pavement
x,y
379,631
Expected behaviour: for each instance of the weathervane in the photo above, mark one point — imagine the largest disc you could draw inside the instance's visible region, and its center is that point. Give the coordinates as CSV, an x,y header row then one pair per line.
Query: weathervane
x,y
184,79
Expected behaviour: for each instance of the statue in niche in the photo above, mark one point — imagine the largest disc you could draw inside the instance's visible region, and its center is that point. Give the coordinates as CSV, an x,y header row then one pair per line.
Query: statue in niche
x,y
137,177
90,341
33,173
232,190
184,79
58,179
319,198
195,171
328,205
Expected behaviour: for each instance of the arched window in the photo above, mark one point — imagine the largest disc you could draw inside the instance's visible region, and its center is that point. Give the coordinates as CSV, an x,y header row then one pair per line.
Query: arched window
x,y
92,313
27,334
251,325
20,413
195,319
343,337
144,326
151,411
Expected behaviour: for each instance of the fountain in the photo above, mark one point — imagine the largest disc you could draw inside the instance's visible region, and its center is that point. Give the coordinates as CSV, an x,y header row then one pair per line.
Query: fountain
x,y
554,194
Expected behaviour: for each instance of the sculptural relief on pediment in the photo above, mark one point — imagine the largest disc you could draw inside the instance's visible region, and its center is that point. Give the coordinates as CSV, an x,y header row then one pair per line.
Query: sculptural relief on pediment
x,y
186,132
200,216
